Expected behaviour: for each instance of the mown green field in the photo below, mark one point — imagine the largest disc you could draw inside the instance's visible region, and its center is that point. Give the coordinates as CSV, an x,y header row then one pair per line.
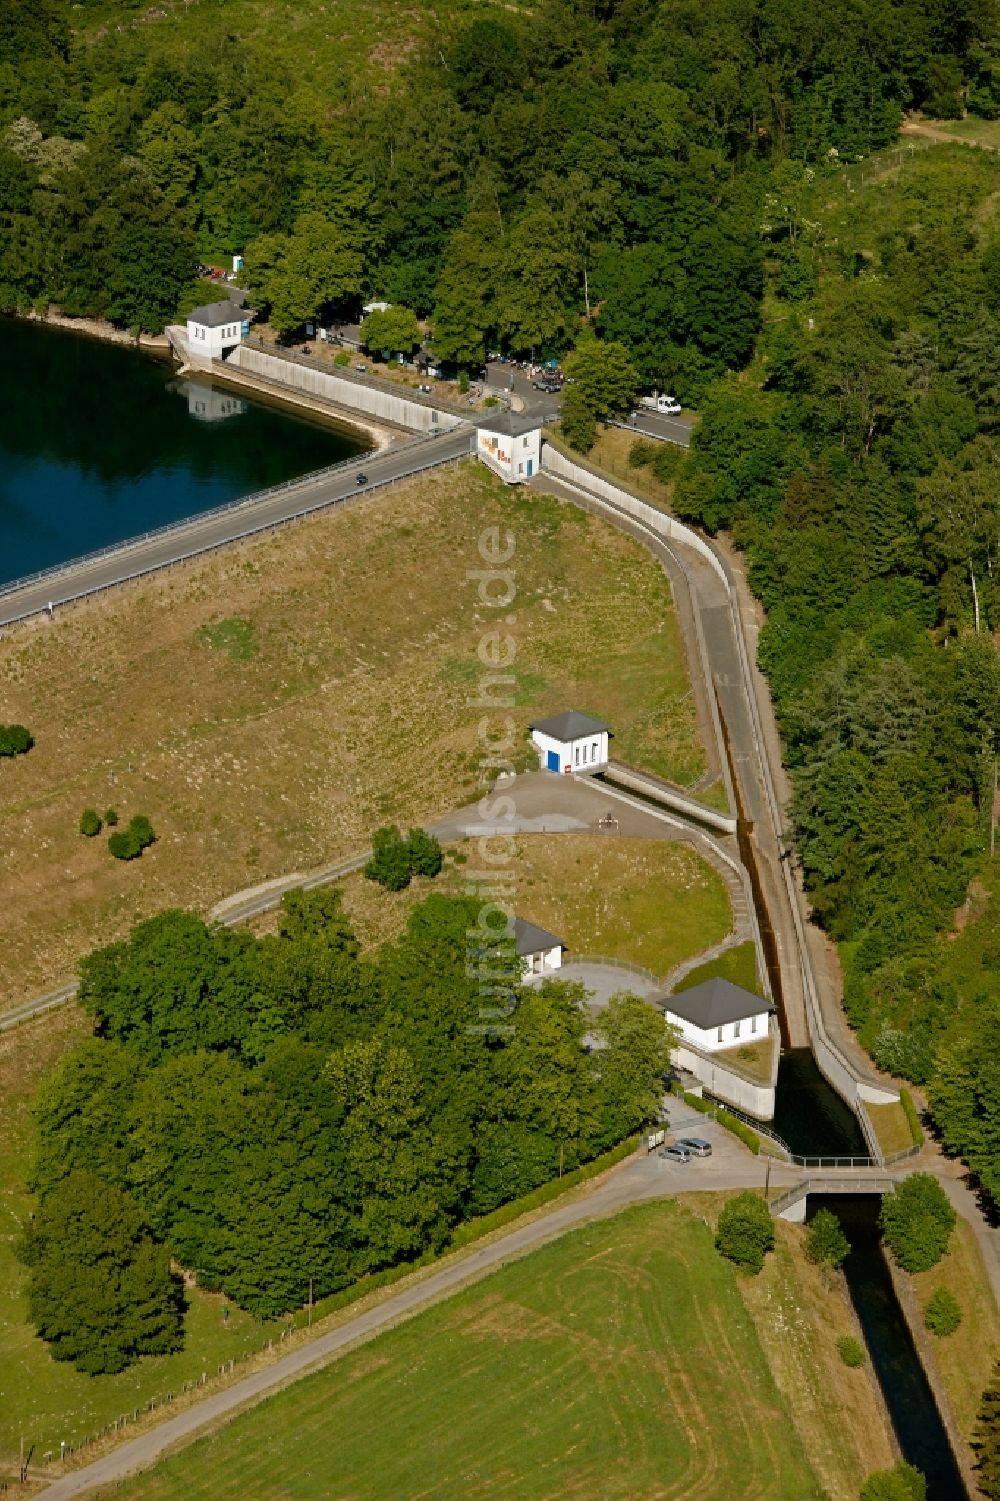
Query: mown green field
x,y
617,1362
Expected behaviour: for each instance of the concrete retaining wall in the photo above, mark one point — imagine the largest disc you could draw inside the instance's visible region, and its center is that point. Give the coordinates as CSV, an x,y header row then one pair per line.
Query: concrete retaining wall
x,y
558,464
416,416
651,787
721,1082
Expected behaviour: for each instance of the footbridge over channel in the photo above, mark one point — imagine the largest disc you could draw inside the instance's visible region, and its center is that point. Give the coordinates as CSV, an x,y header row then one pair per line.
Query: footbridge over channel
x,y
791,1205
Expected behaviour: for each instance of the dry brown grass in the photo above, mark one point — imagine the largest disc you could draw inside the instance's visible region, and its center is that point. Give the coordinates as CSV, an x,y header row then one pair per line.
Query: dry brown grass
x,y
965,1359
644,901
610,453
350,708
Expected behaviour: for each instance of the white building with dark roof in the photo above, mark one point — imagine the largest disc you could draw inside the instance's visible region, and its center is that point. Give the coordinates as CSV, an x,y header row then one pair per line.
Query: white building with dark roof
x,y
510,443
541,951
718,1014
571,742
214,330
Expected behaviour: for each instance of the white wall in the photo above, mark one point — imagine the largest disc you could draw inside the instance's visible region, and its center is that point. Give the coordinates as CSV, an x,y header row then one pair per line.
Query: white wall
x,y
514,459
543,962
352,394
212,342
734,1034
574,755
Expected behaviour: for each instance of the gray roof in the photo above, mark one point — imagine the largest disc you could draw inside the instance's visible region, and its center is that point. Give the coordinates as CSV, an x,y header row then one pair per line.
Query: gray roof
x,y
570,725
531,940
215,314
715,1003
511,424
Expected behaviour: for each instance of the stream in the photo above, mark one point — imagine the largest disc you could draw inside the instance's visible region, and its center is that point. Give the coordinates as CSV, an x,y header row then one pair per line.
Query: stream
x,y
812,1118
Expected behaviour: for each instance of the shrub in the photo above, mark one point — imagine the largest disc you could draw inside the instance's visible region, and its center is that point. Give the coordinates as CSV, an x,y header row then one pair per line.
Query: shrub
x,y
128,844
986,1438
111,817
463,381
15,740
745,1232
851,1350
901,1483
826,1241
642,453
390,861
396,860
917,1221
90,822
426,858
343,359
943,1313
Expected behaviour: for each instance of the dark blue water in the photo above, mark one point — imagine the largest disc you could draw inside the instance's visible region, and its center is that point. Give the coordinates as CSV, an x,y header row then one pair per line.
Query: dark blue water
x,y
99,443
809,1115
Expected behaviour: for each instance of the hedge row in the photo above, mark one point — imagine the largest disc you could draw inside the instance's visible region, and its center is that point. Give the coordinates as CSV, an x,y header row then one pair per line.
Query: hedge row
x,y
912,1118
731,1123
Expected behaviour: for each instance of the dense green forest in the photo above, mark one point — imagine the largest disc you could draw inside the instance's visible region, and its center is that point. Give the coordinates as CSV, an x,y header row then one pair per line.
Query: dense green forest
x,y
281,1112
515,168
857,463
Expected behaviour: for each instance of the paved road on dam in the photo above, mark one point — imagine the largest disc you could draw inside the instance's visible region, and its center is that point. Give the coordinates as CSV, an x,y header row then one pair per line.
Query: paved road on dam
x,y
215,528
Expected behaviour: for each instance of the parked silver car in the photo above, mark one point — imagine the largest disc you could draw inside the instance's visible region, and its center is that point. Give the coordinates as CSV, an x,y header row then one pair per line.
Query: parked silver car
x,y
696,1145
676,1153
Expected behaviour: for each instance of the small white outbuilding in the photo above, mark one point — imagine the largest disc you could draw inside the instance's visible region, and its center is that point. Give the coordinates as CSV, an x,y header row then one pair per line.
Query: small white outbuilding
x,y
571,742
217,328
718,1014
541,951
510,443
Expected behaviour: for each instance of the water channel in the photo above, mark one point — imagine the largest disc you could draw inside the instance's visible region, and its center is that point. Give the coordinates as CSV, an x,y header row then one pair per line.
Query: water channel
x,y
813,1119
99,443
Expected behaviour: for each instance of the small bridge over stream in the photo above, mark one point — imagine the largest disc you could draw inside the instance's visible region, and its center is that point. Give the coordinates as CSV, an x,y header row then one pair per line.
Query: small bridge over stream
x,y
791,1204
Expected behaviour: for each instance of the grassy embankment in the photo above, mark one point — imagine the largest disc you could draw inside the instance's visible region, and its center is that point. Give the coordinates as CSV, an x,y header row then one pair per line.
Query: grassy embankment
x,y
642,901
966,1358
268,706
618,1361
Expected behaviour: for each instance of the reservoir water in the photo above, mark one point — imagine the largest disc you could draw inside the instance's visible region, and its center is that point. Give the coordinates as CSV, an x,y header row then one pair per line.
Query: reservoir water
x,y
99,443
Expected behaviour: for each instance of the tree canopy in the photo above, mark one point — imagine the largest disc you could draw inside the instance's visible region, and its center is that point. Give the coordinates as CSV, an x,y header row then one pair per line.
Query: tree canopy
x,y
279,1111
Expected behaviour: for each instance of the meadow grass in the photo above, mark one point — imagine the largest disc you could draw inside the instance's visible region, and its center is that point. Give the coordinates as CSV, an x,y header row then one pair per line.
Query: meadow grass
x,y
618,1361
648,902
268,706
738,965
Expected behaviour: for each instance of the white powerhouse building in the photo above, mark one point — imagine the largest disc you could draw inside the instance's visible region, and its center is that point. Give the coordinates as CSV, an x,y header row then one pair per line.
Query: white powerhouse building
x,y
511,444
717,1014
216,328
571,742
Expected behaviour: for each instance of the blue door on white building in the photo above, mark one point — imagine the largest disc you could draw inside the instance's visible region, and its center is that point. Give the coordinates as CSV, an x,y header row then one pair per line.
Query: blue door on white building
x,y
531,465
552,760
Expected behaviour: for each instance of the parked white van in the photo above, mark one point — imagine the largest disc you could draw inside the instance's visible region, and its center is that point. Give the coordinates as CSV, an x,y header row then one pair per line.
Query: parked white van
x,y
669,405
